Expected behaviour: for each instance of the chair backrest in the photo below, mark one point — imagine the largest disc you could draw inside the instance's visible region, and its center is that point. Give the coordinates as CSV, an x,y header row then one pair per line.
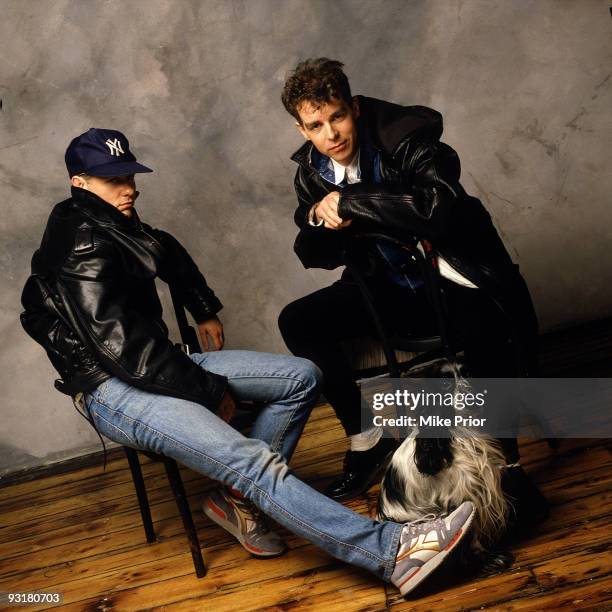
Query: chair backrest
x,y
189,338
423,261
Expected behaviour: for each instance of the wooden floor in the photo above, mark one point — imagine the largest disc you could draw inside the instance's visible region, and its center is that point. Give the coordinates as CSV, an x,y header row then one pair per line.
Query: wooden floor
x,y
79,533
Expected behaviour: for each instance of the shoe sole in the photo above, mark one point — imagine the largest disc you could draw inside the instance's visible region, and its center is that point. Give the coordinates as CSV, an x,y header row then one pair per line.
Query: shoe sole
x,y
426,570
375,479
216,515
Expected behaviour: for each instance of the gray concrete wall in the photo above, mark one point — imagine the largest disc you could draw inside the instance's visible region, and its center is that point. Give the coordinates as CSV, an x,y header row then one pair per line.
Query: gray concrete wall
x,y
524,86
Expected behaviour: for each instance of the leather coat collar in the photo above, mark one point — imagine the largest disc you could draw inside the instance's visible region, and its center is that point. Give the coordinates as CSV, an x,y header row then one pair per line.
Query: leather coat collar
x,y
102,212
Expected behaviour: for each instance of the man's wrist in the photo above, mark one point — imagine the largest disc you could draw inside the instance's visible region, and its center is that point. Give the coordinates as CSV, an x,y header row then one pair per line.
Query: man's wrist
x,y
312,216
209,317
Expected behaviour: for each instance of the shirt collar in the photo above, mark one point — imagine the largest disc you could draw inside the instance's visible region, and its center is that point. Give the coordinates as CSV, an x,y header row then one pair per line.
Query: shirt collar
x,y
351,172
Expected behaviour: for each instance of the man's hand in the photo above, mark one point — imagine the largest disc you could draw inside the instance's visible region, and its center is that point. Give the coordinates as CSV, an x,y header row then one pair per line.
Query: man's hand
x,y
226,408
327,211
214,328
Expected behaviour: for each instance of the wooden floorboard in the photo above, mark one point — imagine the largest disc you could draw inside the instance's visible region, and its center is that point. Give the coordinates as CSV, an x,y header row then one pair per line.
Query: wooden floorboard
x,y
79,533
96,556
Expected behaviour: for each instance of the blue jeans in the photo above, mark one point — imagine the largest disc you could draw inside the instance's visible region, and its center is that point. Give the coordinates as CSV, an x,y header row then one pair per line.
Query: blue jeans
x,y
256,466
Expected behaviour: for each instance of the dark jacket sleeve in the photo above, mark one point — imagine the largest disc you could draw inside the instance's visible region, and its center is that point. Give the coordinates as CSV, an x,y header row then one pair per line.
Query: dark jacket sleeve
x,y
42,322
137,350
316,247
179,269
421,202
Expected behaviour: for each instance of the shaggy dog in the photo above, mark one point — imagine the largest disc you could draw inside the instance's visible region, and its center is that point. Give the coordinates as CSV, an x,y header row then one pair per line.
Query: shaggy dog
x,y
432,475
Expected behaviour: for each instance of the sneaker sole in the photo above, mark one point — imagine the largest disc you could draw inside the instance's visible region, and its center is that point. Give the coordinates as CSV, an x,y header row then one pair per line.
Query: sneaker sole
x,y
216,515
425,570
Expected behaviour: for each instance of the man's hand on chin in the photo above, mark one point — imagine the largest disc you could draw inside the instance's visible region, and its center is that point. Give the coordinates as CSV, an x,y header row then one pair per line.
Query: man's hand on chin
x,y
212,328
327,211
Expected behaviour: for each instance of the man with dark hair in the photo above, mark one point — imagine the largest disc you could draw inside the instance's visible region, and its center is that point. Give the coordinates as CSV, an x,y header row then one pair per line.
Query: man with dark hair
x,y
92,304
373,166
318,81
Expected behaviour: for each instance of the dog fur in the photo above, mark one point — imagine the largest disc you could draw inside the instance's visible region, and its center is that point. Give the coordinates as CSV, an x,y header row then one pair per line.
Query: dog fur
x,y
434,476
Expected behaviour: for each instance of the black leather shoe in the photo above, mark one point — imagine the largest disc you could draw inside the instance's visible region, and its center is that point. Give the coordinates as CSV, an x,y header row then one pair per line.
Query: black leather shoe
x,y
528,506
361,470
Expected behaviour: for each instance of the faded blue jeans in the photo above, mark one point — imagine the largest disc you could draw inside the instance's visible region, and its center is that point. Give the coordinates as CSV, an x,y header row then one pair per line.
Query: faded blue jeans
x,y
256,466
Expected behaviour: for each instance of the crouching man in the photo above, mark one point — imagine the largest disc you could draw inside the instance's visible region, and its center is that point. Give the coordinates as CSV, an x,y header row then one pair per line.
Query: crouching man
x,y
371,166
92,304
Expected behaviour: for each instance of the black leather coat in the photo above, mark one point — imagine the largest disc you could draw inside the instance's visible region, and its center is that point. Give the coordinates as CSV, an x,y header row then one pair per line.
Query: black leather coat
x,y
91,302
419,195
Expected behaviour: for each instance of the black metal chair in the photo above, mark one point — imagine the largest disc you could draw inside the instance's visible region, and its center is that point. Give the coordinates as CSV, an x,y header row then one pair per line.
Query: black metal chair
x,y
189,340
244,418
178,490
427,347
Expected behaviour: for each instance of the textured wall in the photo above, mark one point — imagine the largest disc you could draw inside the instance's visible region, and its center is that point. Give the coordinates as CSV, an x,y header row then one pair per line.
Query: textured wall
x,y
524,86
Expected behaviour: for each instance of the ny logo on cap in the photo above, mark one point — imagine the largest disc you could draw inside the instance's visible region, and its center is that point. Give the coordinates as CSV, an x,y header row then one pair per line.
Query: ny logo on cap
x,y
114,146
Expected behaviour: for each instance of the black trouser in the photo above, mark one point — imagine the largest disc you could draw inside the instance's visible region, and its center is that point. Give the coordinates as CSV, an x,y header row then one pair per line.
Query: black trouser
x,y
315,326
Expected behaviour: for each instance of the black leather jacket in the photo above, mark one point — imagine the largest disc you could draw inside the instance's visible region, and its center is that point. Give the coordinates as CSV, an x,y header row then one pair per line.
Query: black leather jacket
x,y
419,195
91,302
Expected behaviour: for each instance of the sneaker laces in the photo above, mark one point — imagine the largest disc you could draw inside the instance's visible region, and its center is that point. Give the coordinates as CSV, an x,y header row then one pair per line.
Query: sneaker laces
x,y
258,519
428,518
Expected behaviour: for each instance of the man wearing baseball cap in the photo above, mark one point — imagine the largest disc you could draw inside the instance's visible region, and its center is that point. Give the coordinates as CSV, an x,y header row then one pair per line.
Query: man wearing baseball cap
x,y
91,303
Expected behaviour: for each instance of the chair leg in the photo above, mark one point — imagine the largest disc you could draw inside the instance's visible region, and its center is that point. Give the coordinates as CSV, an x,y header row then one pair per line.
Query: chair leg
x,y
392,365
141,492
176,482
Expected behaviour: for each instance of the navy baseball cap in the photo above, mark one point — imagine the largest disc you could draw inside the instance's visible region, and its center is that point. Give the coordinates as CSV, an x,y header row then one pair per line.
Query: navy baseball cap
x,y
100,152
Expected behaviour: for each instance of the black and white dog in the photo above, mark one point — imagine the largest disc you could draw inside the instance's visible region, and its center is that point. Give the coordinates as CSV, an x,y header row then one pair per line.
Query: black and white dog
x,y
433,475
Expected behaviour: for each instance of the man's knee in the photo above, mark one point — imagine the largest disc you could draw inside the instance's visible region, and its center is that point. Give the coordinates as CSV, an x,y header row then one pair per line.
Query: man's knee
x,y
292,319
261,469
310,375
